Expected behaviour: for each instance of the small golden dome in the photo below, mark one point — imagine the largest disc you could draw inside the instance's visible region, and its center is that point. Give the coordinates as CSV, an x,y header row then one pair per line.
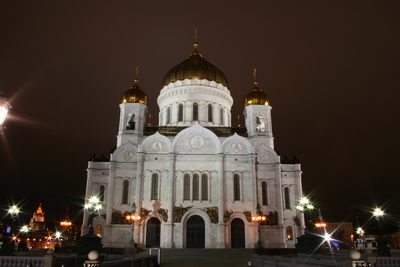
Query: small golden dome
x,y
195,67
256,96
134,95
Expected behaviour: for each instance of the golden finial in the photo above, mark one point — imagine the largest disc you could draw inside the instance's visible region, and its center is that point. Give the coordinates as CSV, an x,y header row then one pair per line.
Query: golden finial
x,y
136,80
195,43
255,83
238,121
149,122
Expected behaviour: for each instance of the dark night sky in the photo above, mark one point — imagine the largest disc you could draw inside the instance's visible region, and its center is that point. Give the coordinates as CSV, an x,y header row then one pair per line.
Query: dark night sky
x,y
331,69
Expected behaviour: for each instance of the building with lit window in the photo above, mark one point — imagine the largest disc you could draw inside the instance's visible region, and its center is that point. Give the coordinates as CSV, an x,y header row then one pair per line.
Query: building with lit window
x,y
195,180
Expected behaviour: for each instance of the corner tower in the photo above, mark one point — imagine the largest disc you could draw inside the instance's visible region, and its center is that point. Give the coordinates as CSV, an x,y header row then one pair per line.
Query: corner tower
x,y
133,111
195,91
257,113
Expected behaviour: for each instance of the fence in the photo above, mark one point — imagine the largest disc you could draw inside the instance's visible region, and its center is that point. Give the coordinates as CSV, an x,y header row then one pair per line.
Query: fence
x,y
11,261
294,262
384,261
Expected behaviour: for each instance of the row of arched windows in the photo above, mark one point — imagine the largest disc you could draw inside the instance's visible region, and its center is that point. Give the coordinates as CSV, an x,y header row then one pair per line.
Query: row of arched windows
x,y
195,113
195,188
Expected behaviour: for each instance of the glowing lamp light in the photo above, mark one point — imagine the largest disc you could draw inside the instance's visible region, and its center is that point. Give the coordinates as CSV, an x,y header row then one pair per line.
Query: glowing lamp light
x,y
24,229
94,203
259,218
4,108
94,200
133,218
57,235
300,208
327,237
13,210
360,231
66,223
304,201
320,225
378,212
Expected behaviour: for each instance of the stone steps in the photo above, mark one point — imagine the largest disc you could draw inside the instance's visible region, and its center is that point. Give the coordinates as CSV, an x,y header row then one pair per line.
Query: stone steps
x,y
206,257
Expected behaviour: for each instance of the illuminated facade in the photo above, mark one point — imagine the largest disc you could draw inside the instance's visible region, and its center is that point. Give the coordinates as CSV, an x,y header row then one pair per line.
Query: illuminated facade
x,y
37,220
195,180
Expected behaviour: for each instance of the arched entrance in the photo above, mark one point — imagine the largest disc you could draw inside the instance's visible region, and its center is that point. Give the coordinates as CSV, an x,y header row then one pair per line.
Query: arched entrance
x,y
195,232
153,233
237,233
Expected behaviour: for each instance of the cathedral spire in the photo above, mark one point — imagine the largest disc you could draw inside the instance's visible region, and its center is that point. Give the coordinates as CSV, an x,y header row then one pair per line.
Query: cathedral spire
x,y
136,80
195,43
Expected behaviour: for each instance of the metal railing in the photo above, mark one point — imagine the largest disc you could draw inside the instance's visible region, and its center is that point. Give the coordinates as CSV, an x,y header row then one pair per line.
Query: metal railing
x,y
16,261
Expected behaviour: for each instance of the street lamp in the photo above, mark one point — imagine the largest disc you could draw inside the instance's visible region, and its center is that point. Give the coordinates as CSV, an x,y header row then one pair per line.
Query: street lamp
x,y
4,108
93,206
259,218
133,218
378,213
304,205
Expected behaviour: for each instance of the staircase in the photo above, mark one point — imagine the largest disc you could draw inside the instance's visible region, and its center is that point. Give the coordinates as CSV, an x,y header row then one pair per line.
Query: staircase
x,y
206,257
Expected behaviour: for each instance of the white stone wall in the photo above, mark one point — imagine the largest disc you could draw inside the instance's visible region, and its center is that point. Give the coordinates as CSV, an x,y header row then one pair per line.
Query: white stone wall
x,y
202,92
196,150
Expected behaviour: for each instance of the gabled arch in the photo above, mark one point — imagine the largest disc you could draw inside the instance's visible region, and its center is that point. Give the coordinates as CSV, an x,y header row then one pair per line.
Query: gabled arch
x,y
237,144
156,143
125,153
196,140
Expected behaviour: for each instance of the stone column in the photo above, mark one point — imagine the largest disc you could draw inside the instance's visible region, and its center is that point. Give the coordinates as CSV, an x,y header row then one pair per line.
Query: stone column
x,y
279,202
110,204
169,226
221,202
87,195
139,195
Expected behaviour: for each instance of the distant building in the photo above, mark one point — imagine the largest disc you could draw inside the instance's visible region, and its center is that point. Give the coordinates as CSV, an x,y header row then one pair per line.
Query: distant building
x,y
37,221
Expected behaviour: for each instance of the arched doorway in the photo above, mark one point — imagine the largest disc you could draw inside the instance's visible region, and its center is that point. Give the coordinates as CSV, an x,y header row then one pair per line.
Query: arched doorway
x,y
153,233
237,234
195,232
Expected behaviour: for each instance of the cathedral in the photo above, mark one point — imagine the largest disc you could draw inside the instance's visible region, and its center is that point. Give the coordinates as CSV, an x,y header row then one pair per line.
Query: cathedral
x,y
195,180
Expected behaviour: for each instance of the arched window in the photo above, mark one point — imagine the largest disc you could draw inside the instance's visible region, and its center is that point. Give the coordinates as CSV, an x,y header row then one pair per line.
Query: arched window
x,y
180,112
195,111
264,193
287,198
168,115
154,187
236,187
131,122
260,124
125,192
195,194
186,187
101,193
222,116
210,113
289,233
204,187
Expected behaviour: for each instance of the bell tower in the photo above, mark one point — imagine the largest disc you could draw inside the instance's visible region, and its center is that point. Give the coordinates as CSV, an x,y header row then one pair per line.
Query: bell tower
x,y
133,112
257,113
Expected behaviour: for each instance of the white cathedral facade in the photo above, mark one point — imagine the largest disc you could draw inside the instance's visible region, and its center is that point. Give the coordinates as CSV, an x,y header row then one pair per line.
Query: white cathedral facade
x,y
195,181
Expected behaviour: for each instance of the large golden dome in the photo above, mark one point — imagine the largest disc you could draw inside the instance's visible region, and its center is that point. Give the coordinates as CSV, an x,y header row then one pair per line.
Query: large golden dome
x,y
134,95
195,67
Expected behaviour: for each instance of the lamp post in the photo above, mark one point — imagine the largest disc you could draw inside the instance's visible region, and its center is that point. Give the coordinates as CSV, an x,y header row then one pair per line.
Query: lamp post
x,y
260,218
133,217
4,108
383,250
13,211
93,206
